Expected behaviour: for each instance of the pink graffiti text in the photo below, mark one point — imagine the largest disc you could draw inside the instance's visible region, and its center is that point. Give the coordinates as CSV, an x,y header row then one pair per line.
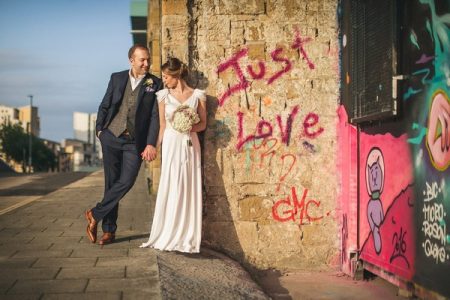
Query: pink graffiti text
x,y
264,128
277,56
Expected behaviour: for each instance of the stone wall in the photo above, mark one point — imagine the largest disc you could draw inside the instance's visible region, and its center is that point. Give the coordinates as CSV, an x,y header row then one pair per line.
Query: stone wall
x,y
270,69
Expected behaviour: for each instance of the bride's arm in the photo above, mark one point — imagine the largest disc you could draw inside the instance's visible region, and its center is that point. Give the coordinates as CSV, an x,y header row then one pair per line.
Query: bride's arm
x,y
201,110
162,122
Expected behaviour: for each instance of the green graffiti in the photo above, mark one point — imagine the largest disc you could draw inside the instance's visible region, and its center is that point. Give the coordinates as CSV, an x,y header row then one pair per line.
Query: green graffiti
x,y
410,92
418,139
413,38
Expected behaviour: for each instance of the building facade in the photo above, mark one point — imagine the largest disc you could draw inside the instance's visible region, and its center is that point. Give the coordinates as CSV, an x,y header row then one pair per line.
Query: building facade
x,y
84,130
8,115
327,142
271,72
30,117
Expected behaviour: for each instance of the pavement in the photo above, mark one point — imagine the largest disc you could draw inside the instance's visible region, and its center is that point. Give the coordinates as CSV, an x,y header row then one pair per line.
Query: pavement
x,y
45,254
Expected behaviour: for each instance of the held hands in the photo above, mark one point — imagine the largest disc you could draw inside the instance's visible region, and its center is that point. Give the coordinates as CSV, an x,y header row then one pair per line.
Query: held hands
x,y
149,153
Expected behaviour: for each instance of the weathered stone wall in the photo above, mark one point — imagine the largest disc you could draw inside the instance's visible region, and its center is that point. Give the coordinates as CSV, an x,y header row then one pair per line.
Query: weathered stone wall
x,y
270,69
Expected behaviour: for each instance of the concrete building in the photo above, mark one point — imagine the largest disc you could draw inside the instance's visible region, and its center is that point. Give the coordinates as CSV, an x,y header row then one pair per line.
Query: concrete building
x,y
29,116
84,130
78,154
26,118
328,140
23,116
8,115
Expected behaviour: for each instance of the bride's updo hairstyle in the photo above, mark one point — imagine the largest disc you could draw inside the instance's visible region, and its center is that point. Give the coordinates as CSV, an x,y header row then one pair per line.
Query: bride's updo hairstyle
x,y
174,67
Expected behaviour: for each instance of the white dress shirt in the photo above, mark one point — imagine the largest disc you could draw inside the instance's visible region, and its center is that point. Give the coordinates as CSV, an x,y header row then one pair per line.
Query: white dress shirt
x,y
135,81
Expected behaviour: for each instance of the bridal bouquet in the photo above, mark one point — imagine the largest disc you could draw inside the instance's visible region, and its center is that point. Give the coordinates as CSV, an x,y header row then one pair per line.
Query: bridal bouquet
x,y
184,118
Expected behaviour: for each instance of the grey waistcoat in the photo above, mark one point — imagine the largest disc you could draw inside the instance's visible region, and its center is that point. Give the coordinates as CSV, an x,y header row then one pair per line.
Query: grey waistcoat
x,y
127,112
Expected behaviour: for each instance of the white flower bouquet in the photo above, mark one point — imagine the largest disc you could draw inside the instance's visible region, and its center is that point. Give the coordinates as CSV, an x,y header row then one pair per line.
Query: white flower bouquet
x,y
184,118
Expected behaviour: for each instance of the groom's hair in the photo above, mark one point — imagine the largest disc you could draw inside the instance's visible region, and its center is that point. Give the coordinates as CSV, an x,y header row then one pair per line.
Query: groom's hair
x,y
134,47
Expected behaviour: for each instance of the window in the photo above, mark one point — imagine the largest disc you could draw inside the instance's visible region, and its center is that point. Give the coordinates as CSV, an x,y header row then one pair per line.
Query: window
x,y
370,59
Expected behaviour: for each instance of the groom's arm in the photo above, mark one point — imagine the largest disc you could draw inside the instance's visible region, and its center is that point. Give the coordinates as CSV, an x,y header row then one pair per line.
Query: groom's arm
x,y
104,107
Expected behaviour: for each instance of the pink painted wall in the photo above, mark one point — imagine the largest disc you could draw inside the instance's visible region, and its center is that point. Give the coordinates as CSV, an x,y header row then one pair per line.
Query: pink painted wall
x,y
387,230
347,198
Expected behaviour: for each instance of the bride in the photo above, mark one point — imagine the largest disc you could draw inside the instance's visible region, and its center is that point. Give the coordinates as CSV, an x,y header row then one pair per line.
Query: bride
x,y
177,220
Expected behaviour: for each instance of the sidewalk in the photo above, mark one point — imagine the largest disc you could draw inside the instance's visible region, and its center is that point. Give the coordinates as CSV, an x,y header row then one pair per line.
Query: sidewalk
x,y
45,254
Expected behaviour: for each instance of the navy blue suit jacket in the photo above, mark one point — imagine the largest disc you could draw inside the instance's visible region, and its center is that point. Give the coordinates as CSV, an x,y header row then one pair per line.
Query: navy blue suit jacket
x,y
147,115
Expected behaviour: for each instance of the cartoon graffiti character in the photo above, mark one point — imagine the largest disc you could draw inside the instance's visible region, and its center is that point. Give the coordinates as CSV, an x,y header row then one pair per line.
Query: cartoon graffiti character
x,y
375,183
438,136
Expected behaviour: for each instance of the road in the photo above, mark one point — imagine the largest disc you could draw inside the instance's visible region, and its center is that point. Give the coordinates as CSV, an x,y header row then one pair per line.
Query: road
x,y
17,190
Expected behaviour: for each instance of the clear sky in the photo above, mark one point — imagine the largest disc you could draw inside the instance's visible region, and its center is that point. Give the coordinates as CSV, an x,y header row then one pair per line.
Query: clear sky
x,y
62,52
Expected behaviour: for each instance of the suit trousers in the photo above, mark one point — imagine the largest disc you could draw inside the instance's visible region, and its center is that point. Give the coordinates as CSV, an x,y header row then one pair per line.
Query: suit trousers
x,y
121,163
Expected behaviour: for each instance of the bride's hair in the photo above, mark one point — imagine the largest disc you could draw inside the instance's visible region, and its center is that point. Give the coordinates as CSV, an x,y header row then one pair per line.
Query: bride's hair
x,y
175,67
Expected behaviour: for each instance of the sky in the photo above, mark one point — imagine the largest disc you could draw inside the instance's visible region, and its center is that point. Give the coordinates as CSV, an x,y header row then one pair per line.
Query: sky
x,y
62,52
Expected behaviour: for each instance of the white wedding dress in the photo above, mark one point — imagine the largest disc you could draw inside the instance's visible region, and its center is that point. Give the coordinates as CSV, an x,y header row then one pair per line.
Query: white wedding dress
x,y
177,223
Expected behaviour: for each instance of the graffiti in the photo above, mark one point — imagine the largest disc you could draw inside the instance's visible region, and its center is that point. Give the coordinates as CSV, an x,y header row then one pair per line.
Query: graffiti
x,y
286,131
309,147
418,139
424,59
310,121
438,136
398,240
287,209
264,154
233,63
268,152
298,44
413,38
433,226
290,165
264,129
410,92
425,79
276,55
375,182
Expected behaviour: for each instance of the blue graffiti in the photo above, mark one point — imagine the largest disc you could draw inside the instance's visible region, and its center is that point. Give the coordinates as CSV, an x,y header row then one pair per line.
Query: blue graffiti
x,y
410,92
418,139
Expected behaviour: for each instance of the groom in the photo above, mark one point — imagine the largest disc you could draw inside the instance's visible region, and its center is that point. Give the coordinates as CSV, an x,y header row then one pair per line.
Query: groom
x,y
127,126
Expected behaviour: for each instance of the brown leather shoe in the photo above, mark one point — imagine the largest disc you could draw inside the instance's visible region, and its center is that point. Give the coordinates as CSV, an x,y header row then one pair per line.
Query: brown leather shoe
x,y
91,229
107,238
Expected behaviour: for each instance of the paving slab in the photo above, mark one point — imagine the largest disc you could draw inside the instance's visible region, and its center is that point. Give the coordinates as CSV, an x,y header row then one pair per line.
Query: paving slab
x,y
65,262
29,273
91,272
28,286
42,253
83,296
145,285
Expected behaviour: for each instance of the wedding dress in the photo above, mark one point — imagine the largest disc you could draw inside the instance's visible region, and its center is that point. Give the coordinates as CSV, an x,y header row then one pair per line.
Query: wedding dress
x,y
177,220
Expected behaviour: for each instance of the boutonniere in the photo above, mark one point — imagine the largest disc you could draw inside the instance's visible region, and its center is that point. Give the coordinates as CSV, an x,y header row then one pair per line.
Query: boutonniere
x,y
149,85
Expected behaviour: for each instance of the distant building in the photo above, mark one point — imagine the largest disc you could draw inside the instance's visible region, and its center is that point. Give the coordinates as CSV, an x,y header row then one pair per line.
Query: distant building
x,y
8,115
84,130
78,155
25,116
56,148
28,119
